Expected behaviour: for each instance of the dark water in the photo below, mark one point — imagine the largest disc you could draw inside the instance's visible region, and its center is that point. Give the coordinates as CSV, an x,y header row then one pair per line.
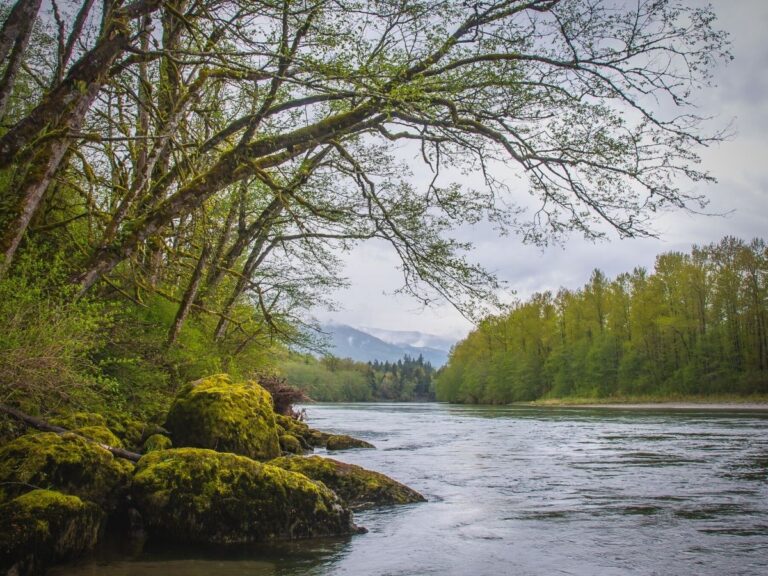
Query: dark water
x,y
529,491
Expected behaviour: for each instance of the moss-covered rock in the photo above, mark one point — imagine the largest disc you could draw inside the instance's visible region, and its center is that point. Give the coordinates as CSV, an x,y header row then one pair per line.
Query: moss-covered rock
x,y
42,527
317,438
157,442
222,415
344,442
132,432
299,430
64,462
100,434
289,444
358,487
197,495
79,420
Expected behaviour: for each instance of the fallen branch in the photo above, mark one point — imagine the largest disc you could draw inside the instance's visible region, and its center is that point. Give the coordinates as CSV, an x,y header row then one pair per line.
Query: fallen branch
x,y
39,424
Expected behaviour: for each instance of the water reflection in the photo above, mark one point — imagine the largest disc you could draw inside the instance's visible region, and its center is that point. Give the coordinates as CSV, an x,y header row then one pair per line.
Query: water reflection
x,y
521,490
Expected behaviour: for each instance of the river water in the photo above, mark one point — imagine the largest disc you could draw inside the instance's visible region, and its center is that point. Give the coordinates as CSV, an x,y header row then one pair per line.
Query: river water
x,y
518,491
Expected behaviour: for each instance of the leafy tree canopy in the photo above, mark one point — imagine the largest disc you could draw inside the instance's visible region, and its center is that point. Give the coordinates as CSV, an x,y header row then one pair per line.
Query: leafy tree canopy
x,y
211,151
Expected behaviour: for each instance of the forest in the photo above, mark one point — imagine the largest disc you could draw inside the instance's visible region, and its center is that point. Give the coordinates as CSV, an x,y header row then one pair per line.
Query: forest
x,y
696,325
332,379
180,179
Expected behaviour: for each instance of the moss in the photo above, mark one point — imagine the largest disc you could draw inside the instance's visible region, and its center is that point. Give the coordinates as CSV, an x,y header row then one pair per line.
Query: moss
x,y
358,487
157,442
43,526
64,462
344,442
219,414
131,432
317,438
100,434
290,444
198,495
79,420
298,430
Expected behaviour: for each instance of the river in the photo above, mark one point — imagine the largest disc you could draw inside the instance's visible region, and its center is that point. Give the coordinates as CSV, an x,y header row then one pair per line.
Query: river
x,y
519,491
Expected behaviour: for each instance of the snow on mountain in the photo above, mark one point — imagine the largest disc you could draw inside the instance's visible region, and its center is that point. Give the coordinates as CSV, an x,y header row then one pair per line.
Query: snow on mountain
x,y
411,338
349,342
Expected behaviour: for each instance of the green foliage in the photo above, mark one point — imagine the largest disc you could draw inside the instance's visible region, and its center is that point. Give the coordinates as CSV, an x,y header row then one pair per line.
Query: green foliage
x,y
332,379
48,341
697,325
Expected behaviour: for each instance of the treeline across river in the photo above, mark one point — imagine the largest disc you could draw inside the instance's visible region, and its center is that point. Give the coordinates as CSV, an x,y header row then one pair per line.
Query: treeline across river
x,y
695,325
332,379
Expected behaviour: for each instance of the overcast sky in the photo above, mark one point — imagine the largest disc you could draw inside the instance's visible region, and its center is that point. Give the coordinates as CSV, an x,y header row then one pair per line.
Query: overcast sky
x,y
740,166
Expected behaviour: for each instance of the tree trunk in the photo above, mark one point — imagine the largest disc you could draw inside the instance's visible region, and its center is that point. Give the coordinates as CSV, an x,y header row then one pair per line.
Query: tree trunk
x,y
36,180
189,296
17,29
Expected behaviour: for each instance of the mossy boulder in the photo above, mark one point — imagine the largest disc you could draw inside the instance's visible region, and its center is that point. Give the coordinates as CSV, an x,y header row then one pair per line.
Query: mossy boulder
x,y
344,442
79,420
157,442
195,495
299,430
42,527
222,415
132,432
289,444
358,487
64,462
100,434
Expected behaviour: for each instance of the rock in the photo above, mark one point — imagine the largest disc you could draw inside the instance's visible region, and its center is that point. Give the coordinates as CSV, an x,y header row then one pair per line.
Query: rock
x,y
195,495
298,430
317,438
100,434
344,442
289,444
157,442
219,414
79,420
65,462
309,437
358,487
42,527
131,432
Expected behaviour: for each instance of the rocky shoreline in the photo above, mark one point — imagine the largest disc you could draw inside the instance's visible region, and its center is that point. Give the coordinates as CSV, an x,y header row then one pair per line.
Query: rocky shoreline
x,y
223,469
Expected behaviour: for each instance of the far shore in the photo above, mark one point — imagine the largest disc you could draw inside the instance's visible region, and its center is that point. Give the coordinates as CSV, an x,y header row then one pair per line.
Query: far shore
x,y
760,405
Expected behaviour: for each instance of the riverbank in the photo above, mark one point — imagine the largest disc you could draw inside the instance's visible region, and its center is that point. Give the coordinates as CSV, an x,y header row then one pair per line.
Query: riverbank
x,y
725,402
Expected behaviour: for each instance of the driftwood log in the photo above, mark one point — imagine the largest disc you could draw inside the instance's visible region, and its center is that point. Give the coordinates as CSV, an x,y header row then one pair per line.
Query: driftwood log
x,y
40,424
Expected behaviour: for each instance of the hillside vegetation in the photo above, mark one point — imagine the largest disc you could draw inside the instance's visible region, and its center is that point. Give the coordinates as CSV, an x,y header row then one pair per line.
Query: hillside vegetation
x,y
697,324
333,379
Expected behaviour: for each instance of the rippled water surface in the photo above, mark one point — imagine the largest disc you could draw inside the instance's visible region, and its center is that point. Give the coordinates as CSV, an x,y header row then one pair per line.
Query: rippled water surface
x,y
519,490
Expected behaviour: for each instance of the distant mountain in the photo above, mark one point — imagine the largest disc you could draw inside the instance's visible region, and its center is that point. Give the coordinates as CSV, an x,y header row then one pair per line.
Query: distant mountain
x,y
348,342
411,338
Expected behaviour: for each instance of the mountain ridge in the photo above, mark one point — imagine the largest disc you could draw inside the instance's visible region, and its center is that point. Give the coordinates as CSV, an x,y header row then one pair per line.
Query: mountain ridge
x,y
349,342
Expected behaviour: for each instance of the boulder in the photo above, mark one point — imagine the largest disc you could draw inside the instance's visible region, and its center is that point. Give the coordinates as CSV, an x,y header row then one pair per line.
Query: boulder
x,y
64,462
222,415
100,434
344,442
79,420
42,527
289,444
295,428
194,495
358,487
157,442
